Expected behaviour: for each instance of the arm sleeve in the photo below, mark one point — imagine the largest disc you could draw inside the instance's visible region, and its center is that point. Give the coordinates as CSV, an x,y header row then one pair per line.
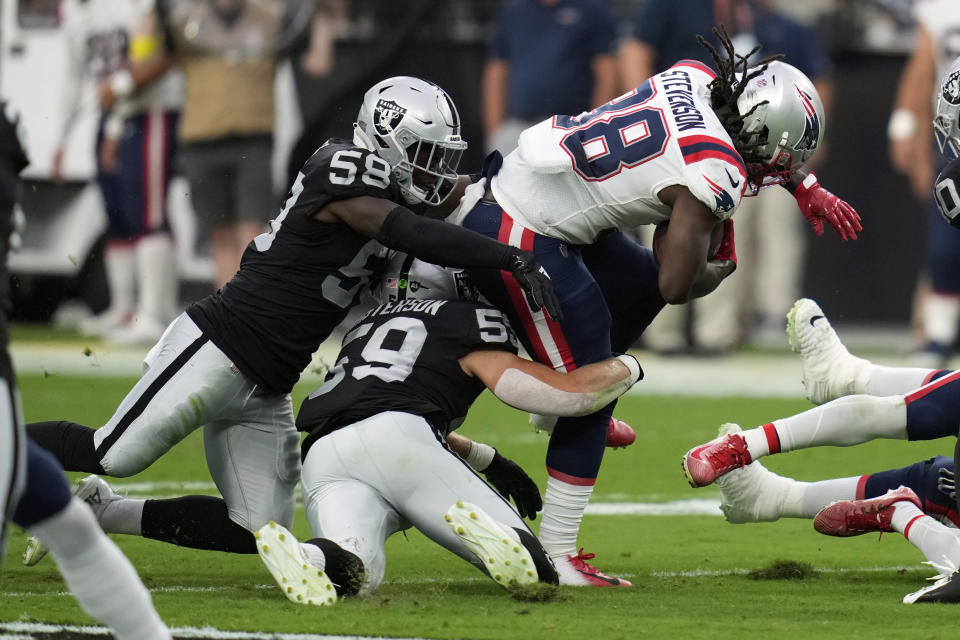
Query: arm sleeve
x,y
442,243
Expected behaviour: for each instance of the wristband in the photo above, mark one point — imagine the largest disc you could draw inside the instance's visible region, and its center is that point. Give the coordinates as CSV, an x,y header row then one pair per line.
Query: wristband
x,y
480,456
636,373
810,181
902,125
121,83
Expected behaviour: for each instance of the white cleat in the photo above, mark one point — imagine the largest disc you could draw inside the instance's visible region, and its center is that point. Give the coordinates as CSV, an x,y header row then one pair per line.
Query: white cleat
x,y
829,370
752,493
300,581
496,546
93,490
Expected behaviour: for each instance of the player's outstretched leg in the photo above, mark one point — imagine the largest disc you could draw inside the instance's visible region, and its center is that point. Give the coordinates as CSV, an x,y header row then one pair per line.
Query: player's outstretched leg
x,y
499,548
301,581
829,370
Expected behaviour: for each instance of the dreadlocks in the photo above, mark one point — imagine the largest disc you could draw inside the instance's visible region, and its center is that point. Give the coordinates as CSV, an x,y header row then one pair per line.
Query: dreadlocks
x,y
726,89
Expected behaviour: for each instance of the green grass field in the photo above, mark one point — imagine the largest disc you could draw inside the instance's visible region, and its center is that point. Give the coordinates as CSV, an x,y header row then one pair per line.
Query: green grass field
x,y
691,573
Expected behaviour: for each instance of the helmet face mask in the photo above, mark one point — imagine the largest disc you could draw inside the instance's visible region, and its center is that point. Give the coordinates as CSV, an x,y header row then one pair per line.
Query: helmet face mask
x,y
783,124
946,120
414,126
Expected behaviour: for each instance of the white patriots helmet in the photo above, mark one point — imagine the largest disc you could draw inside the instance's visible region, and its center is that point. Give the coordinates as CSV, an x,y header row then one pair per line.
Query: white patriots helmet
x,y
414,126
946,121
408,278
788,128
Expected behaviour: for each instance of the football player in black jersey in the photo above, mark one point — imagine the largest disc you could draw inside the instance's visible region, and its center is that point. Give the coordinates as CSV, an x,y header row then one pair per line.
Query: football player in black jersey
x,y
228,363
376,459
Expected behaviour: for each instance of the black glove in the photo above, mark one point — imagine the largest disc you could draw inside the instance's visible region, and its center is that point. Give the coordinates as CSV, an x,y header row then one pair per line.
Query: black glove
x,y
511,481
946,483
535,283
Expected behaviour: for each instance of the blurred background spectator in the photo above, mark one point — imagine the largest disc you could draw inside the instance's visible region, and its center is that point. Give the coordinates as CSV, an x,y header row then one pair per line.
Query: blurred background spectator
x,y
869,282
769,227
547,57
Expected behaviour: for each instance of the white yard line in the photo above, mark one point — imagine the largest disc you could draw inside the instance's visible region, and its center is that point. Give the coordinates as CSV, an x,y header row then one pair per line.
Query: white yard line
x,y
203,633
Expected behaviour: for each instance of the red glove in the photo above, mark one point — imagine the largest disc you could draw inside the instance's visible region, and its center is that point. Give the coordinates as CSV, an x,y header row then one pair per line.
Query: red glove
x,y
728,248
817,204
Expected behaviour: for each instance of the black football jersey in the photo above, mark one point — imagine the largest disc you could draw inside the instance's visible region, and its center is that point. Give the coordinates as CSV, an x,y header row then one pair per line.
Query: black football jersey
x,y
404,356
298,281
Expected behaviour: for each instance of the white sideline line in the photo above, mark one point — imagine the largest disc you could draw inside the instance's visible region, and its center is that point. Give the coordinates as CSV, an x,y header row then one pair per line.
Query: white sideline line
x,y
691,507
186,632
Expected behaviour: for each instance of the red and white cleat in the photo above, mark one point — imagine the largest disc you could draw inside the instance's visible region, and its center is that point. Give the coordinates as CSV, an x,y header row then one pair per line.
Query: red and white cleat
x,y
704,464
846,518
620,434
574,571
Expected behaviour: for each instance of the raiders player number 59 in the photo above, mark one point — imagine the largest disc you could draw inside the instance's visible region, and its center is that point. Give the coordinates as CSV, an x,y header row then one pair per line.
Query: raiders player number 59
x,y
376,459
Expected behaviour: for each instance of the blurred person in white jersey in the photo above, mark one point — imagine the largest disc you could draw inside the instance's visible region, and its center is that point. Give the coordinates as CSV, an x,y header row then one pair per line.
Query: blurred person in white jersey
x,y
136,142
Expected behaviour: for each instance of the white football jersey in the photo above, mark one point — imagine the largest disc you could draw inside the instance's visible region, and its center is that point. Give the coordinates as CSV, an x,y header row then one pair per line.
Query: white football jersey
x,y
98,34
572,177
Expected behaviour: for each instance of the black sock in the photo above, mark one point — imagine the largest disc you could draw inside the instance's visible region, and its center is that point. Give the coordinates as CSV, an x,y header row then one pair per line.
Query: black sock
x,y
70,443
546,572
198,522
344,568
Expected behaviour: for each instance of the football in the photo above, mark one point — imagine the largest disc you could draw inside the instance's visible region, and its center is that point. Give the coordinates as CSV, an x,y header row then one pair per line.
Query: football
x,y
660,232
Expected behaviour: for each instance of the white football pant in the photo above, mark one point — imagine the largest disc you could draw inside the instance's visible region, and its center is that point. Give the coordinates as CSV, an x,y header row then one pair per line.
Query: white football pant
x,y
249,437
13,458
371,479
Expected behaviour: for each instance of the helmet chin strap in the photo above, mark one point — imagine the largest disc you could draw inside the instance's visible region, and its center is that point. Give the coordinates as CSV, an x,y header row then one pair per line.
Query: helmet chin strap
x,y
361,139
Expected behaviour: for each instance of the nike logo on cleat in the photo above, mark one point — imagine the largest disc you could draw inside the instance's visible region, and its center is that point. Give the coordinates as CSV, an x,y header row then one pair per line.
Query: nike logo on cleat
x,y
814,319
599,576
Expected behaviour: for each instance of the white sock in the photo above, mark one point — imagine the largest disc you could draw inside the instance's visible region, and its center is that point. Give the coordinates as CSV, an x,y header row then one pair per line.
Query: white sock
x,y
119,264
122,516
314,555
940,315
891,381
806,499
157,279
937,542
563,507
100,577
840,423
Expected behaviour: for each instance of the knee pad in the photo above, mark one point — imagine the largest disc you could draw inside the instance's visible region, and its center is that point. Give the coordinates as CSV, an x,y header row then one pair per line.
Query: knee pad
x,y
345,569
546,572
47,491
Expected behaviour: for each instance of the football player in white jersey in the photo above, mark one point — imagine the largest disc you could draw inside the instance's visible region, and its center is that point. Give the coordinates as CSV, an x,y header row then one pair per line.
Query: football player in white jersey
x,y
682,148
375,460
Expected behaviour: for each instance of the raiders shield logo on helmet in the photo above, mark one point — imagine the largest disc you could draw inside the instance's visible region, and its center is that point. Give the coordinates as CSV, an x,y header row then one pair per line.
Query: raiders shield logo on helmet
x,y
387,116
951,88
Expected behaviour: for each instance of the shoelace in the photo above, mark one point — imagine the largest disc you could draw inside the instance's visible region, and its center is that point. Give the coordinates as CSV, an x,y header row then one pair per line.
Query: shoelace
x,y
582,557
734,448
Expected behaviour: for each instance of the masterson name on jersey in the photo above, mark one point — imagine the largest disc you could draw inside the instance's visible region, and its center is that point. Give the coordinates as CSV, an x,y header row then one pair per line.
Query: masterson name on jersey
x,y
430,307
679,92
